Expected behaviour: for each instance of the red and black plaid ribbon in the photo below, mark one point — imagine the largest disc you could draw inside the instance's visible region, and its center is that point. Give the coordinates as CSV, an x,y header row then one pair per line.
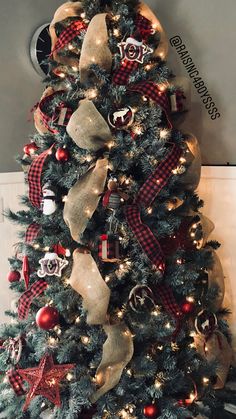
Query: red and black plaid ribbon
x,y
27,297
152,91
34,178
16,382
32,232
166,296
50,120
143,29
145,198
73,30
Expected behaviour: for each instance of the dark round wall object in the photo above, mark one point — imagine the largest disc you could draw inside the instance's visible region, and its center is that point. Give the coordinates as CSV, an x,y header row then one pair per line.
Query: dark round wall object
x,y
40,48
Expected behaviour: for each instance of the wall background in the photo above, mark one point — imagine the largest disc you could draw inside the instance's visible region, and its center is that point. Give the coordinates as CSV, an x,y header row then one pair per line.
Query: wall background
x,y
207,29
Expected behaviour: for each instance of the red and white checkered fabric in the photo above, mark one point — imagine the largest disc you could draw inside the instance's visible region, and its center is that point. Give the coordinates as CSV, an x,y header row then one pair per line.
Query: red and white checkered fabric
x,y
73,30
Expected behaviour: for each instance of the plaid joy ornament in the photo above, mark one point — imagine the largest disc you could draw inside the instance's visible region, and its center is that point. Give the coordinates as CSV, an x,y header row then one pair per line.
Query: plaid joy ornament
x,y
109,248
134,50
51,264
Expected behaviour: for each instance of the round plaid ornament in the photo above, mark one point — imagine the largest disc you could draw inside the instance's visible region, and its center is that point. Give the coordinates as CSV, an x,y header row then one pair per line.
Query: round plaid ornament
x,y
141,298
121,118
206,322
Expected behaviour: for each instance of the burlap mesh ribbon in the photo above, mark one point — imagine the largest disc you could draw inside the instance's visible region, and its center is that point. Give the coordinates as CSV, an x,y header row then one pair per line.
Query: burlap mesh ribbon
x,y
83,198
95,49
87,128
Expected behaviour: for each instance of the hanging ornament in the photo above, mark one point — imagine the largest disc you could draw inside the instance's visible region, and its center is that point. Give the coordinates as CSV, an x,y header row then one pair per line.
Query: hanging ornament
x,y
47,317
141,298
44,380
113,197
14,276
151,411
26,271
134,50
30,149
51,264
205,322
48,204
62,154
121,118
187,307
109,248
14,349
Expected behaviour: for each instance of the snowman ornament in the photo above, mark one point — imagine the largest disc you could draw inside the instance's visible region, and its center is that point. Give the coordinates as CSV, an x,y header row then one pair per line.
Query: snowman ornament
x,y
48,202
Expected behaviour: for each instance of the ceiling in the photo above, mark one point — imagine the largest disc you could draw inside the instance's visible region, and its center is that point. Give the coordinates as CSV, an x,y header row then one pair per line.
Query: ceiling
x,y
21,86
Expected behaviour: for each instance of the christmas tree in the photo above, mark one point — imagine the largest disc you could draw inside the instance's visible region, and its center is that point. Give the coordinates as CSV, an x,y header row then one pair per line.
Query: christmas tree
x,y
119,311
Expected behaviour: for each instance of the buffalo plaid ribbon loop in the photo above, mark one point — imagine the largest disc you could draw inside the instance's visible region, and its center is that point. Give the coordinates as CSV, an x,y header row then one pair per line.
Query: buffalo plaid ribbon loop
x,y
32,232
73,30
157,180
16,382
50,120
34,178
143,29
151,90
27,297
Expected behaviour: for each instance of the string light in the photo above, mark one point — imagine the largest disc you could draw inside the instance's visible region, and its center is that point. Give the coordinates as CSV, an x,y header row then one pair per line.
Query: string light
x,y
129,372
205,380
47,248
70,47
168,325
77,320
52,341
107,278
82,15
116,32
144,98
190,299
43,405
120,314
58,331
64,199
91,93
179,261
36,246
164,133
62,76
74,68
69,376
148,67
85,340
158,384
116,18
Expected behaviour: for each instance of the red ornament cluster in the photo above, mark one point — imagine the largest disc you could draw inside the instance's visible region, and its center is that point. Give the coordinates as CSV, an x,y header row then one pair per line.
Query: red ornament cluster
x,y
47,317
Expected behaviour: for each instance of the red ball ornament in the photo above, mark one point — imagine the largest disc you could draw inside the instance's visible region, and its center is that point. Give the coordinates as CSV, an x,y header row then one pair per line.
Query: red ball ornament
x,y
187,307
30,148
62,154
47,317
150,411
14,276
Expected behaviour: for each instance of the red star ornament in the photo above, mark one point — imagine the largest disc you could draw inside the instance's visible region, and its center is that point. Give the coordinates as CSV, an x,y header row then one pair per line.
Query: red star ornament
x,y
44,380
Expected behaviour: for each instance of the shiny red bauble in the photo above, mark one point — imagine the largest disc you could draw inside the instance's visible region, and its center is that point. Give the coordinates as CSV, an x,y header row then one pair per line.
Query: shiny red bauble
x,y
62,154
14,276
150,411
30,148
187,307
47,317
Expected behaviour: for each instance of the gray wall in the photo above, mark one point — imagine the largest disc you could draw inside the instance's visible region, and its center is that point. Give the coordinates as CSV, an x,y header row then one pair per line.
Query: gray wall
x,y
20,86
207,29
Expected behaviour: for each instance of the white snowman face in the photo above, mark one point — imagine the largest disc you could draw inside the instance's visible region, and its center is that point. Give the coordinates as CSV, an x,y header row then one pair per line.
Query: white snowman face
x,y
48,201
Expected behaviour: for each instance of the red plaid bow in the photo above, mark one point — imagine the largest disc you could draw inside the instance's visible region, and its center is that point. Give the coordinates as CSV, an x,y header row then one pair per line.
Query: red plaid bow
x,y
73,30
152,91
34,178
146,195
144,30
27,297
49,120
16,382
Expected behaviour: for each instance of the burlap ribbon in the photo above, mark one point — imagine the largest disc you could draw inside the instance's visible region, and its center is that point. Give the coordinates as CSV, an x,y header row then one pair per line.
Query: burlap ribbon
x,y
117,352
145,197
216,348
191,178
95,49
87,128
83,198
118,348
216,279
88,282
